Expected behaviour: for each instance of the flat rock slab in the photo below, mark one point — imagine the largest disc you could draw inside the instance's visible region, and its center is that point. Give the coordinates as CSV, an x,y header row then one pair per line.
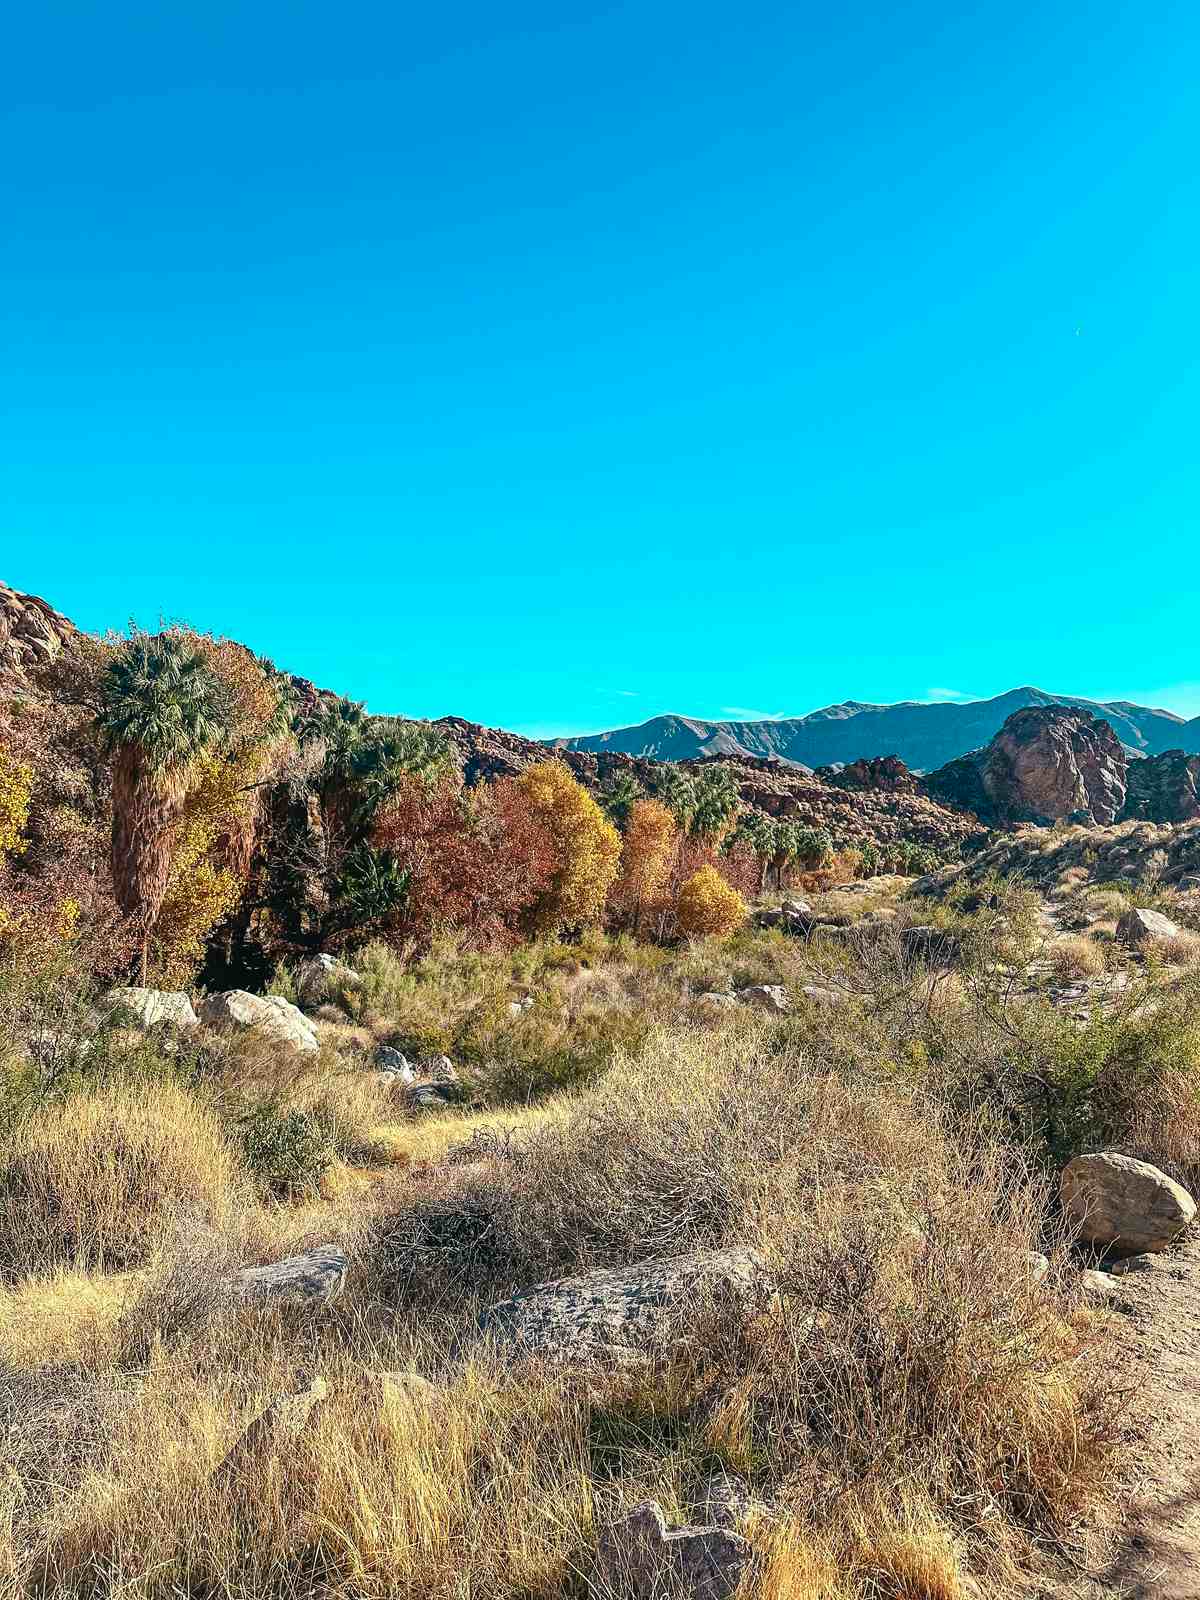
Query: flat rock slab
x,y
149,1007
284,1419
620,1315
1139,926
316,1277
269,1014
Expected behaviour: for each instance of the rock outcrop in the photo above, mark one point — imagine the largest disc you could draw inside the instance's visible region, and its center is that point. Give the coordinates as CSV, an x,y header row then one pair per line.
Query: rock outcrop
x,y
886,774
315,1277
1123,1205
1164,788
148,1008
1047,763
31,634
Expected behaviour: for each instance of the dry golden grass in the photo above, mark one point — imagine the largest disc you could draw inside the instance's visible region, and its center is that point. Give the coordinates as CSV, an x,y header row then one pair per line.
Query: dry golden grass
x,y
93,1180
1174,950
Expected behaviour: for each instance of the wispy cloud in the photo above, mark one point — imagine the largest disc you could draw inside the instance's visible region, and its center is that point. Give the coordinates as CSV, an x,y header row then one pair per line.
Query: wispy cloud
x,y
630,694
756,716
946,694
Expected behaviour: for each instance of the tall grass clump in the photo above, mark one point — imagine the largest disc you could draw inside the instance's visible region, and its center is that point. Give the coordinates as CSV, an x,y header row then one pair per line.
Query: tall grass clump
x,y
93,1180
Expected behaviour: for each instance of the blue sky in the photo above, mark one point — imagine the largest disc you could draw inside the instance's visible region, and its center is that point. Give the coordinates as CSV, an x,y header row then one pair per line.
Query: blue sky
x,y
558,366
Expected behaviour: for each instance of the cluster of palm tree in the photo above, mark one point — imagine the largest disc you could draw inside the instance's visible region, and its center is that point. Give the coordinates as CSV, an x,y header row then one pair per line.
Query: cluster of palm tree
x,y
780,843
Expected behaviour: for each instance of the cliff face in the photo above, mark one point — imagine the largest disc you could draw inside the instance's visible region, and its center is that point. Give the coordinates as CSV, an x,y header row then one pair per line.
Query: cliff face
x,y
1165,788
1045,764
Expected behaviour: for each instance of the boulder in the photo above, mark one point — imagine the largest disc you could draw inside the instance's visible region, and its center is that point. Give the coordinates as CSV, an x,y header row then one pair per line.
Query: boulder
x,y
1038,1264
323,978
1138,926
638,1558
1124,1205
283,1420
315,1277
771,997
146,1008
1097,1285
270,1014
430,1096
394,1063
615,1316
518,1008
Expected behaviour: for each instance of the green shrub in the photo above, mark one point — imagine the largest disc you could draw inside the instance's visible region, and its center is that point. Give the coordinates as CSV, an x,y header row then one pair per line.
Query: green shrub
x,y
288,1152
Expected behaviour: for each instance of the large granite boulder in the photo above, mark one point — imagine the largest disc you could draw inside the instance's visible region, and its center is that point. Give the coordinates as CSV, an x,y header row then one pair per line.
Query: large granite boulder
x,y
1140,925
1122,1205
616,1316
1046,763
147,1008
639,1558
270,1014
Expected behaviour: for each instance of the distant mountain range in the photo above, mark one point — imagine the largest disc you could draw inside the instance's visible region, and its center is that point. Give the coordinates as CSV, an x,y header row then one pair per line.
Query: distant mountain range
x,y
923,736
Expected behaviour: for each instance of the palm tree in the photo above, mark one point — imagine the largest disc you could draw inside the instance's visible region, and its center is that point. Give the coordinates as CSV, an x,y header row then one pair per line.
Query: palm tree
x,y
716,800
161,706
381,761
618,795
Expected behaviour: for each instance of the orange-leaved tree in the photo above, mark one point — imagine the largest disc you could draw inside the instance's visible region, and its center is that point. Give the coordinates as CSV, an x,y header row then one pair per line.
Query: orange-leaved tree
x,y
708,907
586,847
648,852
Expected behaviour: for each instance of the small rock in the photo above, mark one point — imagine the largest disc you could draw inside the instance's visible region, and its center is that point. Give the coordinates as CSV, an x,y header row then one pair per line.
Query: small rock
x,y
1038,1264
408,1386
282,1420
1139,926
317,1276
639,1559
1124,1205
817,995
771,997
518,1008
1097,1285
148,1007
725,1501
715,1000
324,978
394,1063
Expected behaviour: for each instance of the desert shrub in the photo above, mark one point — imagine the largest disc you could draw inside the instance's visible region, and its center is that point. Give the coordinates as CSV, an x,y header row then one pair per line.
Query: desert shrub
x,y
1174,950
288,1150
1076,956
708,907
93,1180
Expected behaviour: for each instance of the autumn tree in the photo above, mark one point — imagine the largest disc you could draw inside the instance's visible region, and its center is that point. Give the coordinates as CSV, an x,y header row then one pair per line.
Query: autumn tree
x,y
648,851
586,847
708,907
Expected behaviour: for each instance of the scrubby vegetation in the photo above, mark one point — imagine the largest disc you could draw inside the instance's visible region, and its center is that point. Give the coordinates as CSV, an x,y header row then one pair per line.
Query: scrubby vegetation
x,y
912,1410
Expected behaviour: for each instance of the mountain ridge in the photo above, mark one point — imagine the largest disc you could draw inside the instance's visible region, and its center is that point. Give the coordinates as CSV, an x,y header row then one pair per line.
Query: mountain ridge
x,y
925,735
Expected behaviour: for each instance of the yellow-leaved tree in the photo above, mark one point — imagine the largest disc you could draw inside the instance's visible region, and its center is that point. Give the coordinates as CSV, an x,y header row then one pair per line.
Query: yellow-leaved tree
x,y
585,845
648,852
708,907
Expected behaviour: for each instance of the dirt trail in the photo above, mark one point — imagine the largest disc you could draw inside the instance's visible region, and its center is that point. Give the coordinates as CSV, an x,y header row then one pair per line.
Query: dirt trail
x,y
1155,1551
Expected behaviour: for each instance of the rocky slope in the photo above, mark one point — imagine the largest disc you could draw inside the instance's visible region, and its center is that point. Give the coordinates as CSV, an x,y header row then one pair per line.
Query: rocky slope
x,y
31,634
923,736
1051,763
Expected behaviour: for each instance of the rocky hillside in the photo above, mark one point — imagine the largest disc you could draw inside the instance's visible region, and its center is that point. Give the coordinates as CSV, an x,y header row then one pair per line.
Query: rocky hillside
x,y
1129,852
1050,763
923,736
854,810
31,634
